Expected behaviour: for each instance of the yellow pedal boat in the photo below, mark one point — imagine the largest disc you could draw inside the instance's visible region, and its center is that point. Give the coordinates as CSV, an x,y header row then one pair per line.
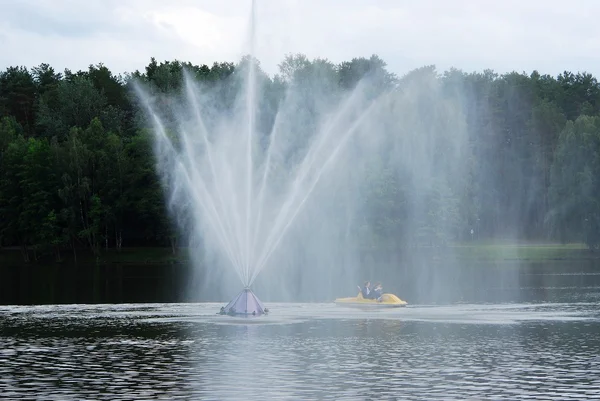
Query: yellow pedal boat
x,y
387,301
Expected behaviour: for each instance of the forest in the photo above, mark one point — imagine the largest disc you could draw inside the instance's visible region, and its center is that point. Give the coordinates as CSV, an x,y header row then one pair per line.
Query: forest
x,y
77,169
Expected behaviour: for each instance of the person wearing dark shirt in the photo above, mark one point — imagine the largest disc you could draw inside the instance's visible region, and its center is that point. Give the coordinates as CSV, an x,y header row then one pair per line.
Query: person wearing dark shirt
x,y
366,290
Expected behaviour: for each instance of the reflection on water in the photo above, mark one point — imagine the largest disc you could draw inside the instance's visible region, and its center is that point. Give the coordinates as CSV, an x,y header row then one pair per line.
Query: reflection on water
x,y
301,351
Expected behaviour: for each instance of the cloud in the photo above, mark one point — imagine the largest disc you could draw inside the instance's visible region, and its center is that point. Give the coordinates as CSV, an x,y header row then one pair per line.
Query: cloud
x,y
472,35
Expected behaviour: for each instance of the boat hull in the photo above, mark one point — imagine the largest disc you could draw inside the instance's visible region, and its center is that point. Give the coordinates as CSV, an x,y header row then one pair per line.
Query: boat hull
x,y
358,302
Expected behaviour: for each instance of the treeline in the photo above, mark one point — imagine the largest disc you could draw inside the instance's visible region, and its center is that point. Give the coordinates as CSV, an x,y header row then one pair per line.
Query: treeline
x,y
77,169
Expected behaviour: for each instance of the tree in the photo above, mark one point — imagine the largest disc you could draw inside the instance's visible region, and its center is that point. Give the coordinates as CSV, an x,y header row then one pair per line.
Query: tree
x,y
18,95
575,190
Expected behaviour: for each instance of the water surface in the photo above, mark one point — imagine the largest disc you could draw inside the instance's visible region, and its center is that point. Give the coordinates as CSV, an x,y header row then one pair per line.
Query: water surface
x,y
301,351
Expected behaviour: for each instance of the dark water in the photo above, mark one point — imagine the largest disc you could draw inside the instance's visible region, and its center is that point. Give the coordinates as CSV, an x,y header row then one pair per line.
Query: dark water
x,y
534,350
423,283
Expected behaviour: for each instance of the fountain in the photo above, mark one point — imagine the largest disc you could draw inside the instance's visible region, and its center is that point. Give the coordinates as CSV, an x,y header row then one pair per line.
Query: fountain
x,y
243,196
243,185
238,180
246,304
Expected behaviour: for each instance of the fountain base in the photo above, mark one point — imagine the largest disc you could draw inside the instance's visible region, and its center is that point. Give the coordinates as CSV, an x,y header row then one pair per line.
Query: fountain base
x,y
244,304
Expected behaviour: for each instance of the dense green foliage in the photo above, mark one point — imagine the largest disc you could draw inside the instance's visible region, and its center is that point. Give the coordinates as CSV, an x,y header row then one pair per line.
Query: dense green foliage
x,y
77,169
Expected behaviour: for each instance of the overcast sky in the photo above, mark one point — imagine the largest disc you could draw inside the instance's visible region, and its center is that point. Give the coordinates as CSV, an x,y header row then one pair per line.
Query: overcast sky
x,y
504,35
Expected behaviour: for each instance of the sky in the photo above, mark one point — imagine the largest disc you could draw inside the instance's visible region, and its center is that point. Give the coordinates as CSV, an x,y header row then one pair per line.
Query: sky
x,y
550,36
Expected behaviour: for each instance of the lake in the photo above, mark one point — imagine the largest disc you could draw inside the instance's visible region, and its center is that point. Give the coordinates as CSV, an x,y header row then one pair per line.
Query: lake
x,y
545,348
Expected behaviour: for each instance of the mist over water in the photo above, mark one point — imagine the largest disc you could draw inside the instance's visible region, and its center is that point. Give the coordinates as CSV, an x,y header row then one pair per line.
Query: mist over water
x,y
286,182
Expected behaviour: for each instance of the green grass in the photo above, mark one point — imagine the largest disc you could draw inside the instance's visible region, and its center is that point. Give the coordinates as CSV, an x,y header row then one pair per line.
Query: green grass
x,y
522,251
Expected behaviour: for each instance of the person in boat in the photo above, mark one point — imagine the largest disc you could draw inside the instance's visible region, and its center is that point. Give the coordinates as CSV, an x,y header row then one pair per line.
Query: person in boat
x,y
366,290
377,292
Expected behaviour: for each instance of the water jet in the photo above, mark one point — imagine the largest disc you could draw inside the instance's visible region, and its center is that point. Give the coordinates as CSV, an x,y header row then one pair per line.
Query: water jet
x,y
236,184
301,172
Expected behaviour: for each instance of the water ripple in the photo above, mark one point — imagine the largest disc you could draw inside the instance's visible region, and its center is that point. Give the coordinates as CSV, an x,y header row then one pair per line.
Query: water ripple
x,y
177,352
